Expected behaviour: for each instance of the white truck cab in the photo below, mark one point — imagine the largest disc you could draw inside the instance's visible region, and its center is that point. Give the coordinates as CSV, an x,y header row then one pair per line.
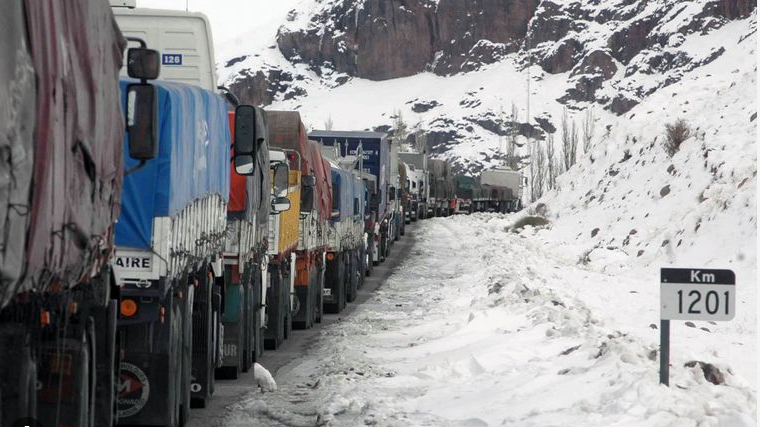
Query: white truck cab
x,y
183,40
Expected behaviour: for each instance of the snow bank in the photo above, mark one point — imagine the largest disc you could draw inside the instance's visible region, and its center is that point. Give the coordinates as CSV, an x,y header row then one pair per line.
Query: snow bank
x,y
487,327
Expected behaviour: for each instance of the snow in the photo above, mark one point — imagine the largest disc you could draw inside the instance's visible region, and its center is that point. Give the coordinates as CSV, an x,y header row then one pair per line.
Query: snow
x,y
486,327
363,104
263,378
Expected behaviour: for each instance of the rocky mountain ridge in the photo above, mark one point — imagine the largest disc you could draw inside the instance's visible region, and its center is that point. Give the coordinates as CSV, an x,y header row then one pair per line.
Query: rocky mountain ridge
x,y
602,55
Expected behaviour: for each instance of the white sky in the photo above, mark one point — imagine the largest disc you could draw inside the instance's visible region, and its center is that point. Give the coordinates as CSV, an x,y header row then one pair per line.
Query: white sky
x,y
230,19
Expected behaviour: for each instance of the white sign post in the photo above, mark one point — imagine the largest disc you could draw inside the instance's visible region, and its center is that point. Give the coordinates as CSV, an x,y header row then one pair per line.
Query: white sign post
x,y
692,294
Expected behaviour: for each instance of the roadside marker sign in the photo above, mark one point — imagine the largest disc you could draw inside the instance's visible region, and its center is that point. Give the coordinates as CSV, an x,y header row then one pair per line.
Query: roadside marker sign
x,y
692,294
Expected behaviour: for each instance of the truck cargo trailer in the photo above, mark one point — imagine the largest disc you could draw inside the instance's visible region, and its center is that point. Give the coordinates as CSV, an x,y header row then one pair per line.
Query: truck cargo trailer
x,y
61,184
376,153
245,253
288,132
170,242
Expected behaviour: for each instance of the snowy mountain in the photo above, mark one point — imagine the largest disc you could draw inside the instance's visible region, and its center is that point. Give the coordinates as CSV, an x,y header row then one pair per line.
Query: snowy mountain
x,y
617,71
457,70
549,325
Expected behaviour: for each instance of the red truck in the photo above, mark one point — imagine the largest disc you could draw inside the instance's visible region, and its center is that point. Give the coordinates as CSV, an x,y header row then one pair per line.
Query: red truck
x,y
60,187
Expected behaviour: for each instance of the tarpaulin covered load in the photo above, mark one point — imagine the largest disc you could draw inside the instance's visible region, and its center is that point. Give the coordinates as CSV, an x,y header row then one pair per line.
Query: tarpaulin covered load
x,y
326,176
376,148
76,52
324,181
287,131
17,116
437,178
192,163
343,192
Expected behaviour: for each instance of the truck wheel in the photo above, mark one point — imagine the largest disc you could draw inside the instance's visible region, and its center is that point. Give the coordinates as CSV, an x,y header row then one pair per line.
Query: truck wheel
x,y
187,355
320,294
18,380
353,278
202,332
344,283
274,327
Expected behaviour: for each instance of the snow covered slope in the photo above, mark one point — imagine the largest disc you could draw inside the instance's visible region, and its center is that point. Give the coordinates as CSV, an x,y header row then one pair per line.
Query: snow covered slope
x,y
608,56
486,327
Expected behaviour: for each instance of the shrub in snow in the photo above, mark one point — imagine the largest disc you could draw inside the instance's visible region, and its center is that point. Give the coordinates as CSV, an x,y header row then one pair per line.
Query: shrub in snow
x,y
710,371
533,221
675,134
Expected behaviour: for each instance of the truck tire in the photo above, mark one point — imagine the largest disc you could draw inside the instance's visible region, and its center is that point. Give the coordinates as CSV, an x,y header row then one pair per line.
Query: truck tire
x,y
202,330
187,354
256,345
353,276
319,309
106,366
276,318
18,380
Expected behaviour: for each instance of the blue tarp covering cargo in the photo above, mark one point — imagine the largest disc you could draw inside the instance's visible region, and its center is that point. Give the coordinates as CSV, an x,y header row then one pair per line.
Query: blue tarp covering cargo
x,y
193,161
343,187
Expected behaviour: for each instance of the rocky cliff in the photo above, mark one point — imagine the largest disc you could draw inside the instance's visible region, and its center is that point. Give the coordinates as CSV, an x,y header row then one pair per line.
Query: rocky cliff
x,y
592,54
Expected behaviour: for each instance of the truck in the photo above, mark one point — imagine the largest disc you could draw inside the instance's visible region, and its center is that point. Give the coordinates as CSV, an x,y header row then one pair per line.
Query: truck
x,y
375,149
287,131
253,196
394,195
404,197
169,254
418,176
171,234
442,191
281,250
61,185
346,250
500,190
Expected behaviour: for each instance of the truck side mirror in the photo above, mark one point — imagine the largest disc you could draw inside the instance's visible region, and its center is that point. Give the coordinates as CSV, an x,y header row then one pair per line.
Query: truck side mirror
x,y
142,121
392,193
280,204
143,63
281,172
309,181
245,139
307,199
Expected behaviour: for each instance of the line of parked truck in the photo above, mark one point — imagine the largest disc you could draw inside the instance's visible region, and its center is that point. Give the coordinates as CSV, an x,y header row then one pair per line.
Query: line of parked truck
x,y
153,240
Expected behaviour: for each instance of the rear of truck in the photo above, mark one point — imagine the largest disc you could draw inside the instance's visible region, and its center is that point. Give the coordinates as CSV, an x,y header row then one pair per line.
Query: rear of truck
x,y
438,201
419,189
60,187
502,188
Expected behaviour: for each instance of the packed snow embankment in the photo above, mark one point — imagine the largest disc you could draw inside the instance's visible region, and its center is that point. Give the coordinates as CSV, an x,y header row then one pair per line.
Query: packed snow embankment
x,y
487,327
